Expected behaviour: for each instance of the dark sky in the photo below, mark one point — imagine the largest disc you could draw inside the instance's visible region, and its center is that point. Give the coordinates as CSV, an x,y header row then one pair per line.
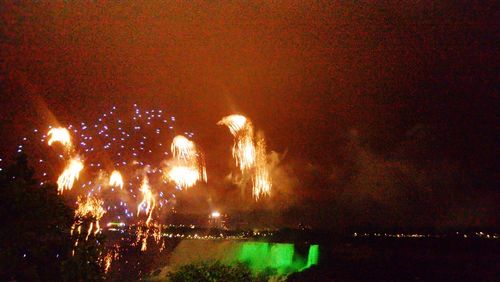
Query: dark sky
x,y
382,114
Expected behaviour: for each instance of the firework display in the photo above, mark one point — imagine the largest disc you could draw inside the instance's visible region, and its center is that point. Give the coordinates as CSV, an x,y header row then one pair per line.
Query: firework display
x,y
124,161
111,157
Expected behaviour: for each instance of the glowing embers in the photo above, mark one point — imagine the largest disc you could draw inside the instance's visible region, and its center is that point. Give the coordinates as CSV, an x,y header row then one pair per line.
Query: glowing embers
x,y
112,255
91,208
188,164
144,232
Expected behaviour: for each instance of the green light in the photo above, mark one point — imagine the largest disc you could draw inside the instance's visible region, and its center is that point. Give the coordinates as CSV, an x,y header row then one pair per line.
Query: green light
x,y
255,254
280,257
313,256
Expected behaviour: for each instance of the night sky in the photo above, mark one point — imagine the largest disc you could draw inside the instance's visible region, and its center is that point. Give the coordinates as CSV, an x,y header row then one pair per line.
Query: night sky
x,y
380,115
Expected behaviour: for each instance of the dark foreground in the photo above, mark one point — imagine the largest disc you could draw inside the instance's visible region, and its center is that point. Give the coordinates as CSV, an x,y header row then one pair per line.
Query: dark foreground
x,y
406,259
442,258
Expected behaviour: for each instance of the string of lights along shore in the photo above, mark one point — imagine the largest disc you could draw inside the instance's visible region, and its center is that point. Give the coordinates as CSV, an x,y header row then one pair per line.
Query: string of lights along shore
x,y
128,166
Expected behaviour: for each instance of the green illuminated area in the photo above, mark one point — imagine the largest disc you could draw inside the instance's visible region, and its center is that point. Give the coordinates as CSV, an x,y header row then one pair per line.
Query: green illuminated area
x,y
313,256
281,257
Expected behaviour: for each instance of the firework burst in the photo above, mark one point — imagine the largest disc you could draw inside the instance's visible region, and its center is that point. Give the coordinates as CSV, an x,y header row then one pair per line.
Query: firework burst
x,y
69,175
249,152
148,201
59,135
116,179
91,207
244,147
188,163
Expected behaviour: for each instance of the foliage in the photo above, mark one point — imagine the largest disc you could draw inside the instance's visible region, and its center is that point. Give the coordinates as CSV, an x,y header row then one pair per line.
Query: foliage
x,y
85,264
34,230
216,272
34,223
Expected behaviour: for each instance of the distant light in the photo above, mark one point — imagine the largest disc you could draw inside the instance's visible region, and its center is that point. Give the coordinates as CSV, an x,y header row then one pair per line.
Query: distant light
x,y
215,214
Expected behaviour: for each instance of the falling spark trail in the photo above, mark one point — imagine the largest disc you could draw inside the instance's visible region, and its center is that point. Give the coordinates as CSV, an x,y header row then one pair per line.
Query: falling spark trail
x,y
69,175
189,163
148,200
92,207
244,147
249,153
262,180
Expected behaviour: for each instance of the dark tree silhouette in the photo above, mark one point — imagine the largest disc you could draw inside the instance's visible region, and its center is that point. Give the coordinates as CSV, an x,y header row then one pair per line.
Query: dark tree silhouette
x,y
217,272
85,264
34,230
